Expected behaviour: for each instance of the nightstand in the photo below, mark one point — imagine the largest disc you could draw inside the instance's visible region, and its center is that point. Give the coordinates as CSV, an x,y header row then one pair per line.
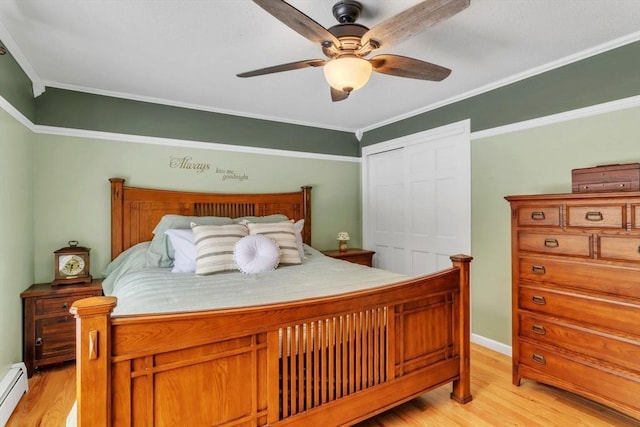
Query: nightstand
x,y
355,255
49,328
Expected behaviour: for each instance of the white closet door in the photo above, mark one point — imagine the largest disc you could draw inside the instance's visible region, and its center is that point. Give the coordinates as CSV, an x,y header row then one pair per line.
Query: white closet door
x,y
417,200
387,203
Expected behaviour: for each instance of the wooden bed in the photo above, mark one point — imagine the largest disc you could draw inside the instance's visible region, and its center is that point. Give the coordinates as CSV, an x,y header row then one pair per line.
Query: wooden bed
x,y
322,361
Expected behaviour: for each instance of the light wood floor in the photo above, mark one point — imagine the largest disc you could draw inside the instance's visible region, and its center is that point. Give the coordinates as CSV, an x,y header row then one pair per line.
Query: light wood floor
x,y
496,402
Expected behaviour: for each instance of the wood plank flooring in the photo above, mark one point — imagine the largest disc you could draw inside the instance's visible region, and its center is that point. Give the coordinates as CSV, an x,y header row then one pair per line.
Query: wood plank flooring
x,y
496,402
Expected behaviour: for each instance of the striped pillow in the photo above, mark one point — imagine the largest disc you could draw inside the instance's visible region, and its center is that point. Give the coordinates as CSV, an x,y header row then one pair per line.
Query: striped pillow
x,y
284,235
214,246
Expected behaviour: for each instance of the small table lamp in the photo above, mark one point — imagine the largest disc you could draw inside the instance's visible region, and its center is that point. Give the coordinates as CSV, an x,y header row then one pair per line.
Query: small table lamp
x,y
342,237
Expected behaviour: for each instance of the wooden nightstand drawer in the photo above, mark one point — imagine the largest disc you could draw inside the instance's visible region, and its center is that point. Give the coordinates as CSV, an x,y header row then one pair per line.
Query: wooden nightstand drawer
x,y
59,305
49,328
354,255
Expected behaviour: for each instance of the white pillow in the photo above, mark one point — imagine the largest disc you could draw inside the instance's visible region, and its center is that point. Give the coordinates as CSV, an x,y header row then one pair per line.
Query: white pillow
x,y
297,228
214,246
256,254
284,235
184,250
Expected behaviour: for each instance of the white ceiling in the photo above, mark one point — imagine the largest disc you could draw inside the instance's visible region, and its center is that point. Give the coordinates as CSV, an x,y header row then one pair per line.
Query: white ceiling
x,y
187,52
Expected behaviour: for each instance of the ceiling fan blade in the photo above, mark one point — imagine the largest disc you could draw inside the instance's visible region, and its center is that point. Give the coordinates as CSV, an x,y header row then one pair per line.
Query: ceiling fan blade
x,y
402,66
284,67
338,95
410,22
298,21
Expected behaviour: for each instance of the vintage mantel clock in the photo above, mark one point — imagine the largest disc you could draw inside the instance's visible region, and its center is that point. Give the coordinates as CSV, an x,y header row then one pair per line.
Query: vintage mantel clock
x,y
71,265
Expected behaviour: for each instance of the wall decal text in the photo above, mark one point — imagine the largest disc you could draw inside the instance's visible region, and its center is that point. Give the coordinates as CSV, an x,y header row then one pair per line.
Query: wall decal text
x,y
187,162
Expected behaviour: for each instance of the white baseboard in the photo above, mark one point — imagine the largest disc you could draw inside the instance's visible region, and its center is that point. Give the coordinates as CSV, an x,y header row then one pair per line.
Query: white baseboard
x,y
491,344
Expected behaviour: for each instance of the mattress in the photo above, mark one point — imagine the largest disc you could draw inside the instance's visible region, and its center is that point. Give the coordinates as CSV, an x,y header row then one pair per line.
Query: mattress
x,y
141,289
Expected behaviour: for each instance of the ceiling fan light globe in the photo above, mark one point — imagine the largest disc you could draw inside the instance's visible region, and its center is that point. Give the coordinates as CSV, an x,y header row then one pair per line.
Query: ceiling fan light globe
x,y
347,73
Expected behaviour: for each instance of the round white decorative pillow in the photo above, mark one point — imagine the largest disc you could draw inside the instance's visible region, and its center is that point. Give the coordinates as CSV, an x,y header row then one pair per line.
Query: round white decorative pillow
x,y
256,254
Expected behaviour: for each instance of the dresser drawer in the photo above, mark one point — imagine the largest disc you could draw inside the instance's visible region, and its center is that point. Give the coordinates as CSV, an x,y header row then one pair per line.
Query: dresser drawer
x,y
607,347
555,243
546,365
597,216
606,279
548,216
635,217
59,305
602,312
620,248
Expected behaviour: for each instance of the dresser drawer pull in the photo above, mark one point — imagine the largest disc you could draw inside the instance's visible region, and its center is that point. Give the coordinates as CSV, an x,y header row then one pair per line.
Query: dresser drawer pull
x,y
551,243
38,342
594,216
538,299
537,215
65,305
538,269
539,329
538,358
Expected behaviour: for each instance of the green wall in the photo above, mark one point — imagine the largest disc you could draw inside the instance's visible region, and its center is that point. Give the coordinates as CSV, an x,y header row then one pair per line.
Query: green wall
x,y
533,161
72,193
601,78
15,87
103,113
16,229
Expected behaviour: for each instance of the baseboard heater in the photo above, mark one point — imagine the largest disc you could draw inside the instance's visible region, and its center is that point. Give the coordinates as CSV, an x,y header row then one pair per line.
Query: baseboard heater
x,y
13,386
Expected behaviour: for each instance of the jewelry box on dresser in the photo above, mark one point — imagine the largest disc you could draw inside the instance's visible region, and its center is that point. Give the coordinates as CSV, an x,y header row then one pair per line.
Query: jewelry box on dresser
x,y
576,294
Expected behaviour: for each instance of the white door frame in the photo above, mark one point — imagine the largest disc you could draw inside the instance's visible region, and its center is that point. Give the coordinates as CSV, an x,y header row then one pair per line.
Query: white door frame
x,y
459,128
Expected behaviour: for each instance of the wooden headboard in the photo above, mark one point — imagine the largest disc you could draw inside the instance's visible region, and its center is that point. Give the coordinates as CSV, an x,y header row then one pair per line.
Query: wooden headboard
x,y
136,211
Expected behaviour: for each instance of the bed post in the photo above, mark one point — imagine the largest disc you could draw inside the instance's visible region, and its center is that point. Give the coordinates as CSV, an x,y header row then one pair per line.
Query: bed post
x,y
462,387
93,360
306,214
117,210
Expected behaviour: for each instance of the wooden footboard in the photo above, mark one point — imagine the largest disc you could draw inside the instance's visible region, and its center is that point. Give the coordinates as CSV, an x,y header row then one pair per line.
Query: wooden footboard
x,y
324,361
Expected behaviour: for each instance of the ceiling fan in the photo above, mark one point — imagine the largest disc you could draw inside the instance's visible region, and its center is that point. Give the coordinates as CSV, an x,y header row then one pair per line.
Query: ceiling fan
x,y
347,44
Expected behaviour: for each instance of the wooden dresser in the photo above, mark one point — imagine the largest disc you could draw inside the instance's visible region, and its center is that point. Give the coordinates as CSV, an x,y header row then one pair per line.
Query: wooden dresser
x,y
576,294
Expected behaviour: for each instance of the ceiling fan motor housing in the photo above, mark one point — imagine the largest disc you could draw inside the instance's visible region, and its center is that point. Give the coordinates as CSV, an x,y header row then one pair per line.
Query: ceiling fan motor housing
x,y
350,36
347,11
